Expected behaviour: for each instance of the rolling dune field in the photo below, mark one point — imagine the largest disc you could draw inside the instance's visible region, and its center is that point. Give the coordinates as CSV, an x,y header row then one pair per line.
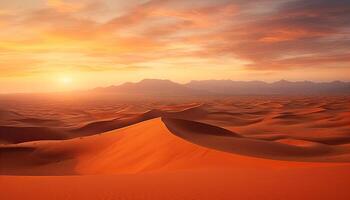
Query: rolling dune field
x,y
242,147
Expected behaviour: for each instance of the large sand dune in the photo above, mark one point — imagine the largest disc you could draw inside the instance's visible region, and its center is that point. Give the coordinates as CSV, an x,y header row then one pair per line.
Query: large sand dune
x,y
150,146
147,146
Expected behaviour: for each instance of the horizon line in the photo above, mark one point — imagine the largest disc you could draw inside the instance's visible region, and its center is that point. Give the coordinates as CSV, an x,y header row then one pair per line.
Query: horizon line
x,y
159,79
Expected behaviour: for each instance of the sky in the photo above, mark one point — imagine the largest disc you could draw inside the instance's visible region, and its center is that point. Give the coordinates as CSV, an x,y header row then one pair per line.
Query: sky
x,y
57,45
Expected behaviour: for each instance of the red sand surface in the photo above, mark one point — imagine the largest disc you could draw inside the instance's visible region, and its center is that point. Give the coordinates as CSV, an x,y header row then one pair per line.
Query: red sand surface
x,y
227,148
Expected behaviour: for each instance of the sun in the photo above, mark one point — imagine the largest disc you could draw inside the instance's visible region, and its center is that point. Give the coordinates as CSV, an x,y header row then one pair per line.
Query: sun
x,y
66,80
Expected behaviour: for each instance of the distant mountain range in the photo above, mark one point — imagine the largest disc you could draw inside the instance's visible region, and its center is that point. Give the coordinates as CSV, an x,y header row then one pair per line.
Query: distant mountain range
x,y
155,87
282,87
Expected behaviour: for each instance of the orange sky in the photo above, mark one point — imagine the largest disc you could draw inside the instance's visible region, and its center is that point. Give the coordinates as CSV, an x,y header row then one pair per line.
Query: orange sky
x,y
54,45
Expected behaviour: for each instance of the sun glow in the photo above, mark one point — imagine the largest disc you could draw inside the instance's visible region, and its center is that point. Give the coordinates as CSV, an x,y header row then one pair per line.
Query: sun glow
x,y
66,80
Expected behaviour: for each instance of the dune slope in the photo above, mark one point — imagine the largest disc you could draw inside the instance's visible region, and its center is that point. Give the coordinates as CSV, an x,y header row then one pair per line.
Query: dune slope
x,y
10,134
224,140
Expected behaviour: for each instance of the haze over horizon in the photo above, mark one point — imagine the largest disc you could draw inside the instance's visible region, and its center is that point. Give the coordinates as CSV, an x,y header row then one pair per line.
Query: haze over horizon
x,y
58,45
211,87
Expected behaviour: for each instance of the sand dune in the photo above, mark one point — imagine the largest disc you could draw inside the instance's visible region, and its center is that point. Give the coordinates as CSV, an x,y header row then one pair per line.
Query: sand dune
x,y
221,139
38,121
18,134
150,146
103,126
9,134
146,146
6,114
237,147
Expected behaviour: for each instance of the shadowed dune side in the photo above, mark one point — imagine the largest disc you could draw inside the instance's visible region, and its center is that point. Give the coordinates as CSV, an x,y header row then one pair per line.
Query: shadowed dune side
x,y
204,113
187,128
196,112
328,140
8,115
38,121
221,139
104,126
12,135
35,159
108,125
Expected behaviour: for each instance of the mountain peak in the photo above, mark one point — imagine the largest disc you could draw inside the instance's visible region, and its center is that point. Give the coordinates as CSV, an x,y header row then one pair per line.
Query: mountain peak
x,y
152,87
154,80
282,81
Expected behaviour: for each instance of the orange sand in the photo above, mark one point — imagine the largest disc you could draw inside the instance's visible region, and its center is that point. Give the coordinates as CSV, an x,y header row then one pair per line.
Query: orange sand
x,y
263,148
